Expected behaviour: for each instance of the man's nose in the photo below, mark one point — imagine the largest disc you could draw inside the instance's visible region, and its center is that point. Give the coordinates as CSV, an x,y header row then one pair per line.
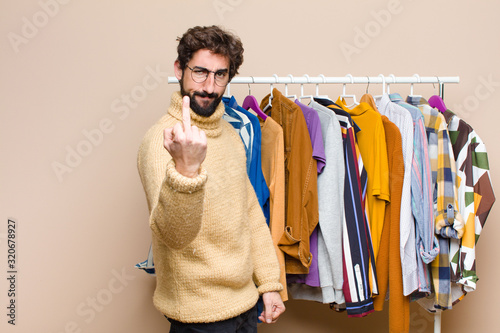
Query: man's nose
x,y
209,84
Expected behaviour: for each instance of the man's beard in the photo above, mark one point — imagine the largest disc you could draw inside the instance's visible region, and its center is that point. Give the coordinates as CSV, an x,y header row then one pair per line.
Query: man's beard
x,y
197,108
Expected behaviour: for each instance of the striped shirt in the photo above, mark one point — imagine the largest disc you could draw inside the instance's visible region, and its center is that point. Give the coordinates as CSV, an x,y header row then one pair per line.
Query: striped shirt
x,y
372,145
248,126
243,127
358,256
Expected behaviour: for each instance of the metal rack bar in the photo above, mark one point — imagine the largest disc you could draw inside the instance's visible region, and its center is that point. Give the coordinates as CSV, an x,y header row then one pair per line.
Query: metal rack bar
x,y
321,79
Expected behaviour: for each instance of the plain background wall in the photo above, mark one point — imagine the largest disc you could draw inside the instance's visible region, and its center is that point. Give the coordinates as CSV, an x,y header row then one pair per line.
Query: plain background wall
x,y
69,135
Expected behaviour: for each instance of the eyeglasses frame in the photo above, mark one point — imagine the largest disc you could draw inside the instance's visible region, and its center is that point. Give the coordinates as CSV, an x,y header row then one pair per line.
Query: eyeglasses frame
x,y
208,73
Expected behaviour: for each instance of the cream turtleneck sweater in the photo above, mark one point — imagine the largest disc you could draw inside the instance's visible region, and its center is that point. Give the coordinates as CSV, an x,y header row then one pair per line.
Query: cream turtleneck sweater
x,y
212,248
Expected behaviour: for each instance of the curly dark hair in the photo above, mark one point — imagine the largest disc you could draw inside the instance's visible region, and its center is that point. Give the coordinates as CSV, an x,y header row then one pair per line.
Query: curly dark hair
x,y
214,39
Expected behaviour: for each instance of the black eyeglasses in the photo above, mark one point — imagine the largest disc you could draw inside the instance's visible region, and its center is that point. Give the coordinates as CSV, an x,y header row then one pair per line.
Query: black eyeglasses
x,y
200,75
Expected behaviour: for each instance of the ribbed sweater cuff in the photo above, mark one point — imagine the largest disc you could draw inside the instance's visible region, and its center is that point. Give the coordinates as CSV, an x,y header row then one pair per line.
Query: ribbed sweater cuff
x,y
182,183
270,286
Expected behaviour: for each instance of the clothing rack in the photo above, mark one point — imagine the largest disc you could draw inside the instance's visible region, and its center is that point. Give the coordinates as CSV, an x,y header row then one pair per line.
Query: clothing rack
x,y
348,79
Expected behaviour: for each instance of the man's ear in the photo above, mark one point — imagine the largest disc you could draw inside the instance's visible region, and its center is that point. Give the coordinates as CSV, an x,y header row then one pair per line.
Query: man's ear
x,y
178,70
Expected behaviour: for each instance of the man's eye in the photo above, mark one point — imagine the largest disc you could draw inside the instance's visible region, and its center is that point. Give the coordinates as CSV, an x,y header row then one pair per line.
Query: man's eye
x,y
199,72
221,74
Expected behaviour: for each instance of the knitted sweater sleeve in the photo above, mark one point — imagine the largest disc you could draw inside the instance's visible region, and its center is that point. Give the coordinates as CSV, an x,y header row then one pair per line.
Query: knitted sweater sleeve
x,y
175,201
266,266
176,218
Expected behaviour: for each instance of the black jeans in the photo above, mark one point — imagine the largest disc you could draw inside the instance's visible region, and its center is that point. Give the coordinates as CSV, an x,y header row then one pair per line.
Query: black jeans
x,y
244,323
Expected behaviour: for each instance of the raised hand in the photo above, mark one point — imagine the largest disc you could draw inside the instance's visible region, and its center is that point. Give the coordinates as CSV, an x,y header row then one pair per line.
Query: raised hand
x,y
185,143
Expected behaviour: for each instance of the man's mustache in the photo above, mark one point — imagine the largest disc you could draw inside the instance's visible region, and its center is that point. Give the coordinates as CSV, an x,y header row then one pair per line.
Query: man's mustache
x,y
205,94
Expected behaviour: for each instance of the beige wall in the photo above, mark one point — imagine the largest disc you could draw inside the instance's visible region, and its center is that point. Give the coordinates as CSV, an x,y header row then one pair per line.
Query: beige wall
x,y
66,68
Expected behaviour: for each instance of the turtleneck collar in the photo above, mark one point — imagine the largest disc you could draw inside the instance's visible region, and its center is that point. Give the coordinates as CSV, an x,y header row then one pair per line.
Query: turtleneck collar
x,y
210,125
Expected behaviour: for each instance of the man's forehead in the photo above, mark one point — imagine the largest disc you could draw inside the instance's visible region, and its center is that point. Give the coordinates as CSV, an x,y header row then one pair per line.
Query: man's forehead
x,y
207,59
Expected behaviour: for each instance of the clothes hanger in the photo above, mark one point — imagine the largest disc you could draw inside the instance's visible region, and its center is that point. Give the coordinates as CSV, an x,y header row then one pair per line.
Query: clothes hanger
x,y
436,101
293,97
250,102
317,87
389,84
319,97
311,97
383,87
411,86
269,104
302,96
367,97
344,95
